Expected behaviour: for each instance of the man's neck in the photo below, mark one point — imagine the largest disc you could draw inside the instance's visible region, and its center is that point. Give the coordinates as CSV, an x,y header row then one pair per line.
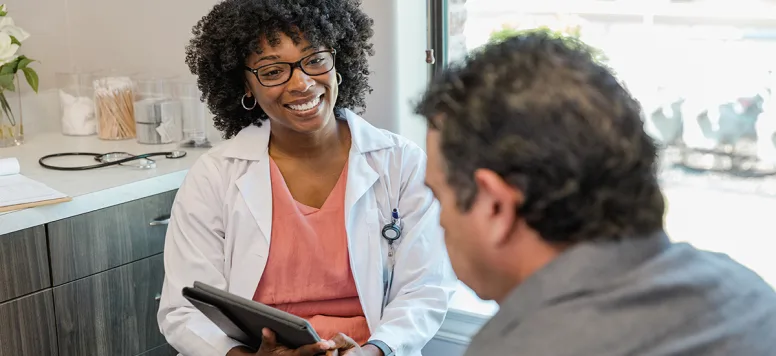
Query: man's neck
x,y
531,255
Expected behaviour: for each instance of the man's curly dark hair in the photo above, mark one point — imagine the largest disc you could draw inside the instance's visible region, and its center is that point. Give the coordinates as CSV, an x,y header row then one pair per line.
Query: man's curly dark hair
x,y
234,28
540,111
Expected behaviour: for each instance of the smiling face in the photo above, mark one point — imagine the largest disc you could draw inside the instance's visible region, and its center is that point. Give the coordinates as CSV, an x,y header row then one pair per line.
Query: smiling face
x,y
304,103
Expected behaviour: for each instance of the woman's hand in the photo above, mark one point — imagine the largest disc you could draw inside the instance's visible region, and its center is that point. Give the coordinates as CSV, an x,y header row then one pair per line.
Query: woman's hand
x,y
240,351
345,346
270,347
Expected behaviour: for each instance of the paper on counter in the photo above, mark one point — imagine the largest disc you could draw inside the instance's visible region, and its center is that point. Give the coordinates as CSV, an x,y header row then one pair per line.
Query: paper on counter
x,y
17,189
9,166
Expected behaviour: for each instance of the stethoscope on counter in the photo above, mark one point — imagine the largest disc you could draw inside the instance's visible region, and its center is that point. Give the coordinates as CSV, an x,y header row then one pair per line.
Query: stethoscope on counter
x,y
391,232
142,161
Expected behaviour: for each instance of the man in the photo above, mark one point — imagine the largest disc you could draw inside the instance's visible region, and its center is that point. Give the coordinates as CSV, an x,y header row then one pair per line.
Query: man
x,y
552,208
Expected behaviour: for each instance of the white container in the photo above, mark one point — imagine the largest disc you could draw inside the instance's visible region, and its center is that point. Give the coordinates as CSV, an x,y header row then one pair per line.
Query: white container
x,y
76,104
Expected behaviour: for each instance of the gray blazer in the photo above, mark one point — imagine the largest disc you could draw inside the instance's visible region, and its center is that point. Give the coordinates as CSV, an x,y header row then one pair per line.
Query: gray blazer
x,y
635,297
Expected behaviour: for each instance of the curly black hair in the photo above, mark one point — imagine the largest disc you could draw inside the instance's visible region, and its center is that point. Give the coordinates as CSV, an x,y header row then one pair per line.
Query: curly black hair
x,y
541,112
234,28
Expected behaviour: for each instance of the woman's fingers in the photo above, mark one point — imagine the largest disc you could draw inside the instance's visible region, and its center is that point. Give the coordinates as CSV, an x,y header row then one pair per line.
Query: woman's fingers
x,y
268,340
317,349
270,345
343,342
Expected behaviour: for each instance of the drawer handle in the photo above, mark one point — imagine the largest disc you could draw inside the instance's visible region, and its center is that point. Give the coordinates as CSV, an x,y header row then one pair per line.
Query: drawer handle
x,y
162,220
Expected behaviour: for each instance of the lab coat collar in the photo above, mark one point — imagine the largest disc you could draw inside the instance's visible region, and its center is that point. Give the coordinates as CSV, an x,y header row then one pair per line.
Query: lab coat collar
x,y
252,142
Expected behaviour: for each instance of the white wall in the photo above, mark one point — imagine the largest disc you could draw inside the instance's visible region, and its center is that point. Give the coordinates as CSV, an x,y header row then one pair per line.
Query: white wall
x,y
400,70
130,36
150,36
127,36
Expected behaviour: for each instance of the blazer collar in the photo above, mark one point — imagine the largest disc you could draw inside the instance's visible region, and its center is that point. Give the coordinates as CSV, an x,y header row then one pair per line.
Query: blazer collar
x,y
584,268
252,142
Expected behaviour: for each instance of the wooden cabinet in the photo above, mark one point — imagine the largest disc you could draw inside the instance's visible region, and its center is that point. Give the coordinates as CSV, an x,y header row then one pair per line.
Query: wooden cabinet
x,y
111,313
108,238
27,326
164,350
24,267
97,296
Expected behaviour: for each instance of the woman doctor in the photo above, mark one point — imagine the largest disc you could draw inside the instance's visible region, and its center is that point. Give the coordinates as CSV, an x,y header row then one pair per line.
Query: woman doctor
x,y
290,211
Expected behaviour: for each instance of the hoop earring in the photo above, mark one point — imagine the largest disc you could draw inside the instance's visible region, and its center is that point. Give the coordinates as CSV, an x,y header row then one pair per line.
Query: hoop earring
x,y
242,101
339,79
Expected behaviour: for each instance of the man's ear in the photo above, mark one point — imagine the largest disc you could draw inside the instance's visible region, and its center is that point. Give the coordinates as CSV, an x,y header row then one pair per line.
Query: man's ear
x,y
497,203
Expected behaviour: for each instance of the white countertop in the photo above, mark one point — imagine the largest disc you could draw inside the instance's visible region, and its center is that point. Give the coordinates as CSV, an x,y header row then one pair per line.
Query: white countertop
x,y
103,187
92,189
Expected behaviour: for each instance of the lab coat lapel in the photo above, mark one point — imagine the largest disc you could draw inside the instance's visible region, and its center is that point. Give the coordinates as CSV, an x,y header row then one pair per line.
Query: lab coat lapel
x,y
252,144
358,216
256,189
361,177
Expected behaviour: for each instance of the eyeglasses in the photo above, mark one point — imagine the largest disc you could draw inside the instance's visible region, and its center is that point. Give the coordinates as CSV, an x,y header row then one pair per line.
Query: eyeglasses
x,y
279,73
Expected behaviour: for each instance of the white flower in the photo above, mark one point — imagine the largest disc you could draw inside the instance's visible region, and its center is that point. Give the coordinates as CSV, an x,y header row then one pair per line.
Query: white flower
x,y
7,49
3,8
8,27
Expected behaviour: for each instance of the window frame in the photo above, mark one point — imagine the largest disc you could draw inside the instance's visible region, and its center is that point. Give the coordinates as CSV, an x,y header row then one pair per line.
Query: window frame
x,y
438,21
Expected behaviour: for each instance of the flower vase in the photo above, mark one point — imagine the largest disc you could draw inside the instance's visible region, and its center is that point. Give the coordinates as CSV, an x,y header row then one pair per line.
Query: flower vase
x,y
11,119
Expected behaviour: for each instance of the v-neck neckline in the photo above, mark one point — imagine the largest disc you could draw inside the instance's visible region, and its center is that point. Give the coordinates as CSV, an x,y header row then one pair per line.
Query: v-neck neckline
x,y
304,208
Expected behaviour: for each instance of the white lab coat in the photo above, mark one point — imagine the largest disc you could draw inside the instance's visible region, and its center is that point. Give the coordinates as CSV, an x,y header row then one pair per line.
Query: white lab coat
x,y
219,234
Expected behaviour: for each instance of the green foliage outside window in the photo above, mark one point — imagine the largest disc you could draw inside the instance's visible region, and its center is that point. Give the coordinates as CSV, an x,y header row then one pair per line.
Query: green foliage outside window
x,y
571,36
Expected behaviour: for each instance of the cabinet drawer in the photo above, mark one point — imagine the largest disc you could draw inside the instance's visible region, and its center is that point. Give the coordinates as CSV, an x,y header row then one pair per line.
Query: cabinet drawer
x,y
164,350
111,313
24,264
27,326
97,241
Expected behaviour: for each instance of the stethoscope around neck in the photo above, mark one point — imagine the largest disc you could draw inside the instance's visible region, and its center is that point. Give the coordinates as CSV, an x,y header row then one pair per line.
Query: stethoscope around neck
x,y
391,232
142,161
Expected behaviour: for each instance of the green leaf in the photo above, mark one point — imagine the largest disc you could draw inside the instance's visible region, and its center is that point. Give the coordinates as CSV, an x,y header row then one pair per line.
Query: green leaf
x,y
23,62
10,67
15,41
3,13
32,78
6,82
7,109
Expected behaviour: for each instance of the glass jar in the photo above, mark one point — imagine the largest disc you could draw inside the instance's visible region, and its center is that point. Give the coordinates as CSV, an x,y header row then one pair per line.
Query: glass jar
x,y
152,86
114,107
157,112
193,113
76,104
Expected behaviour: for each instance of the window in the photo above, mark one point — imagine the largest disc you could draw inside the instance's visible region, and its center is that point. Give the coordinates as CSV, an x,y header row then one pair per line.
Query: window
x,y
703,71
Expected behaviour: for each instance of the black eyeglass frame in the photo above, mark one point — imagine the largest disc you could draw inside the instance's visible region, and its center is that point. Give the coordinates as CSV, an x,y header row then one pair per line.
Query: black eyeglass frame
x,y
294,65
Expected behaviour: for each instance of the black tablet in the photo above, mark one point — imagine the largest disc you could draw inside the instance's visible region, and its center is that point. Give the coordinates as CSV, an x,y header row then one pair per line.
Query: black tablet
x,y
243,319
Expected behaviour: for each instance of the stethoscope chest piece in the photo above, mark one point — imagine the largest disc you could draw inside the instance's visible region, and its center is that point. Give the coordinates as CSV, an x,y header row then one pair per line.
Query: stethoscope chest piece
x,y
140,163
